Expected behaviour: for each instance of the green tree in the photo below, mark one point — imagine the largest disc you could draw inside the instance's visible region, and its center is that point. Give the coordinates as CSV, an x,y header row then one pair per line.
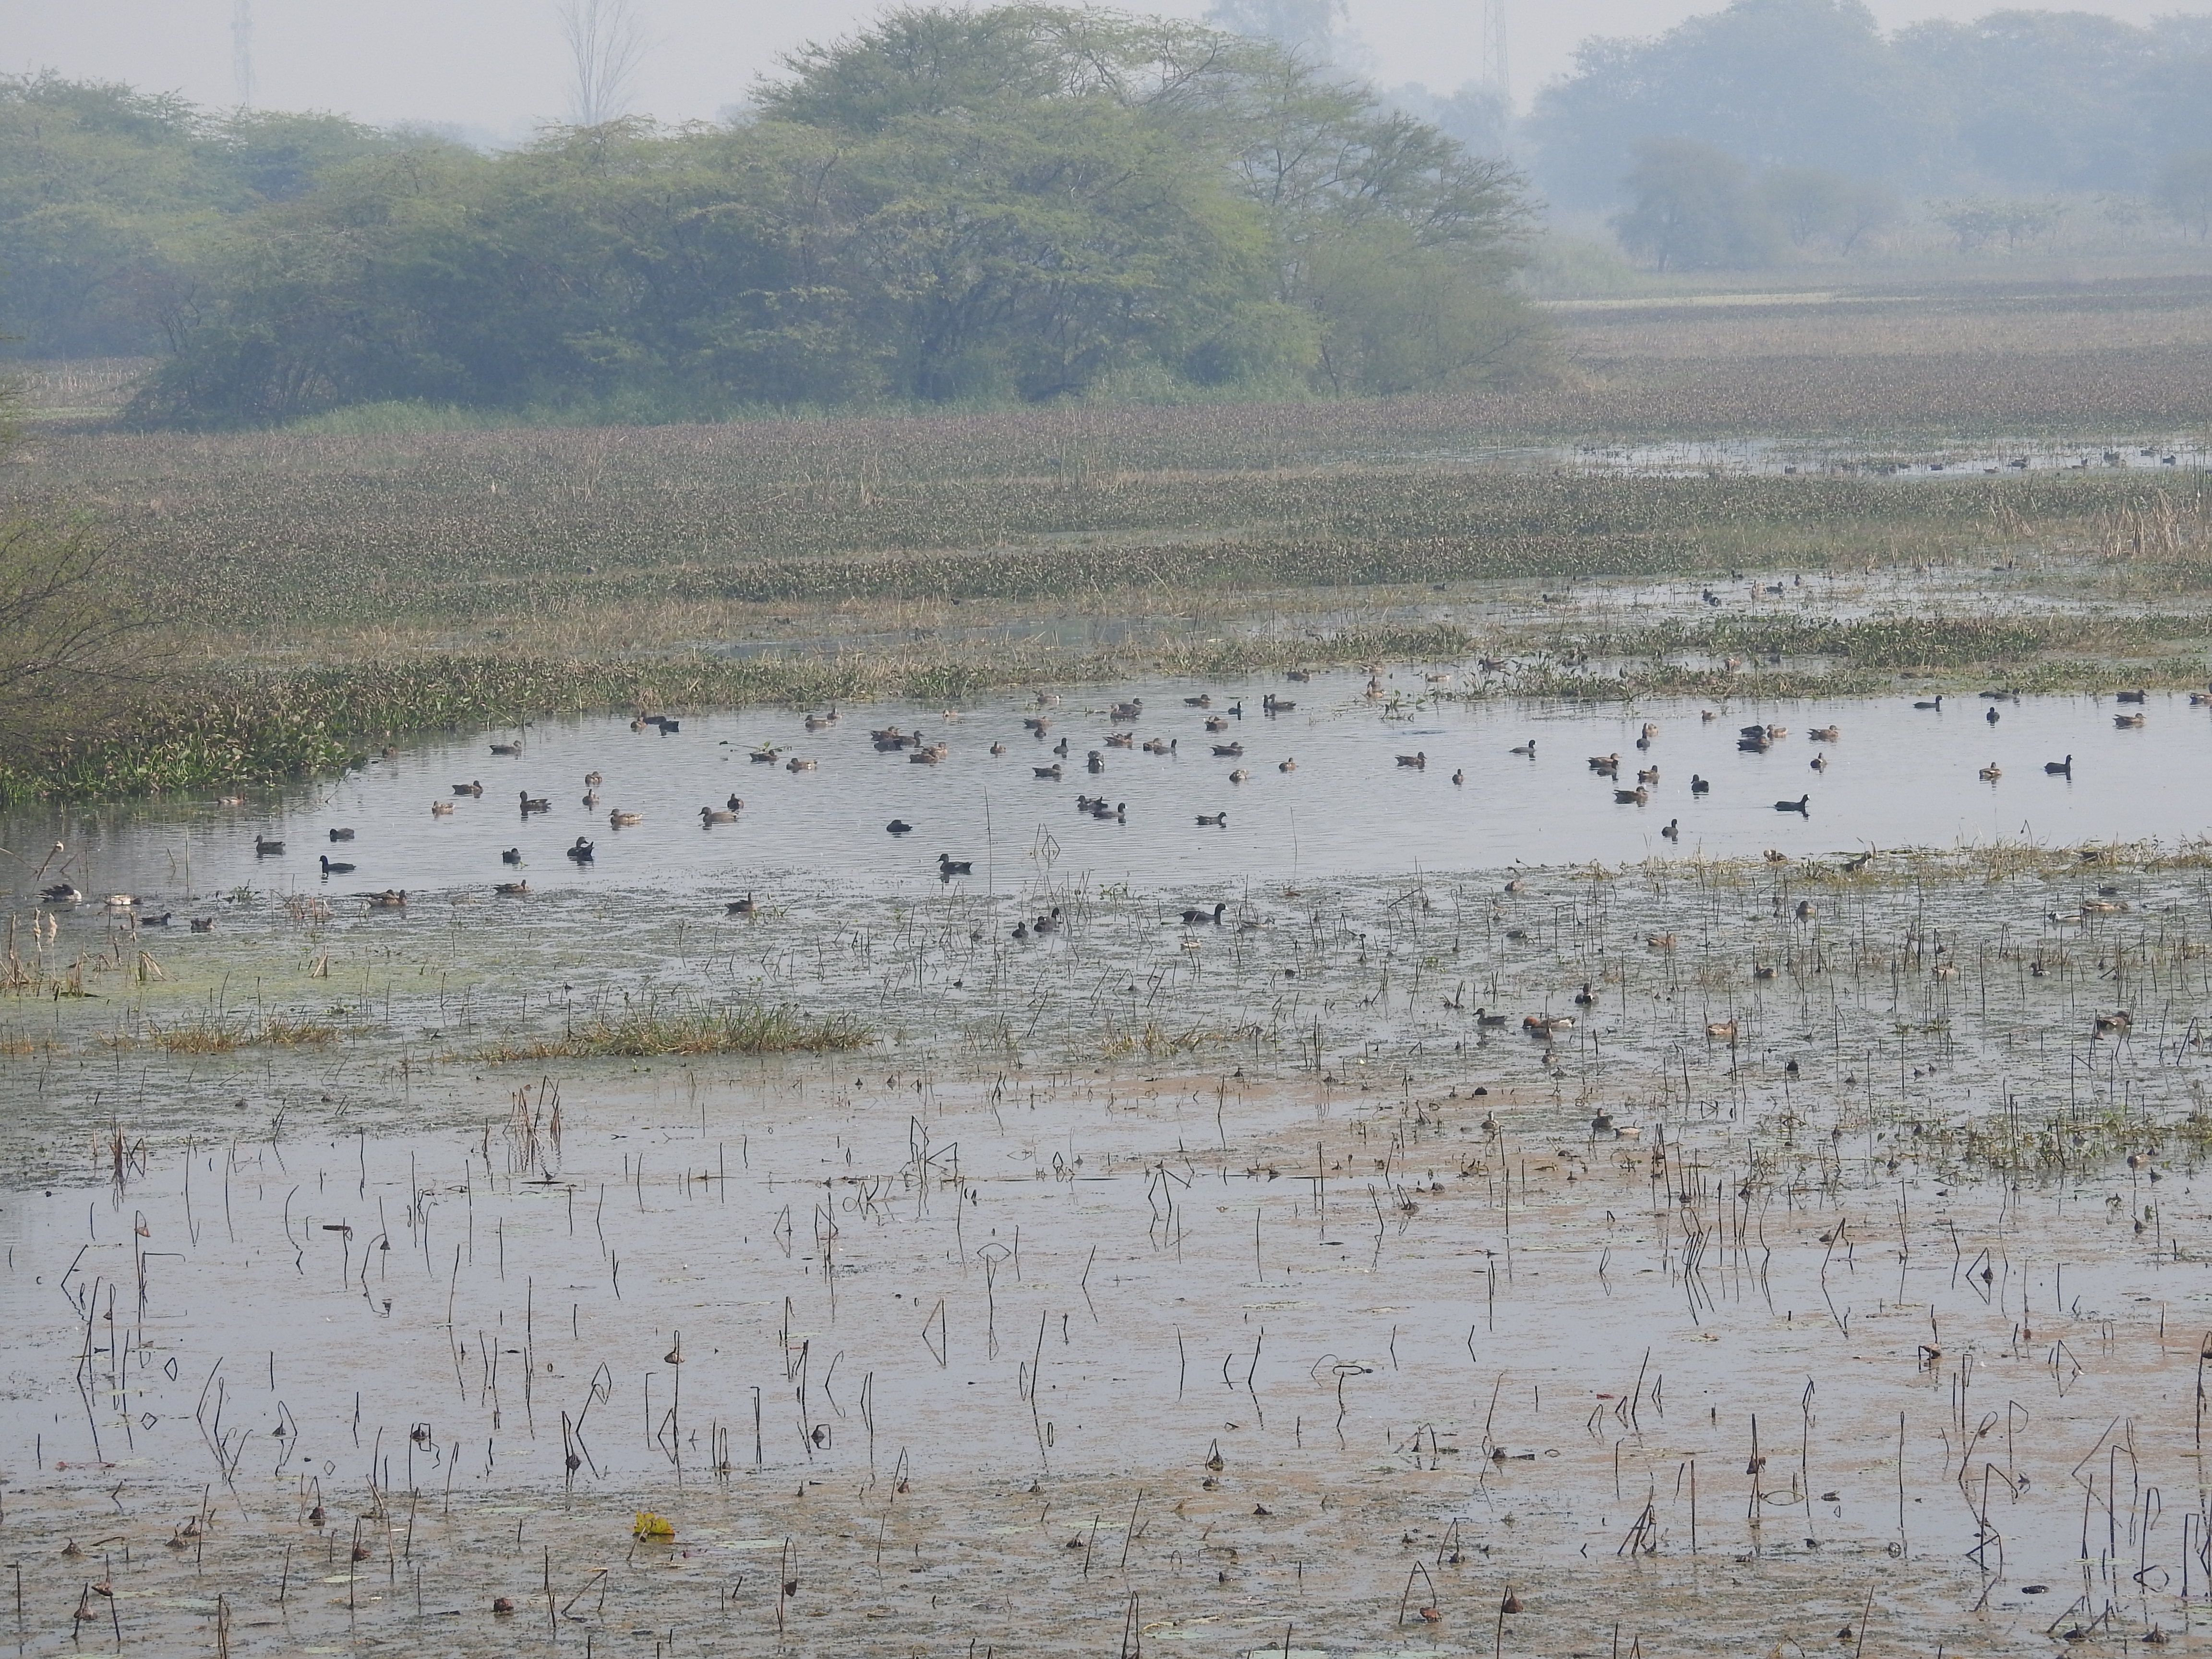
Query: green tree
x,y
1693,207
2185,191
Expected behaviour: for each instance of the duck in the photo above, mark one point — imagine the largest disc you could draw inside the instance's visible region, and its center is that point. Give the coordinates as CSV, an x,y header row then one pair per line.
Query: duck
x,y
475,788
1121,739
1543,1025
1647,775
515,748
1659,941
591,798
1206,919
1722,1030
1632,797
1990,715
1673,829
61,892
1289,765
1051,773
1825,734
341,834
512,855
1528,749
2131,696
1132,710
708,815
618,819
1161,746
2127,721
531,804
1605,765
332,869
1936,703
744,907
1483,1016
1819,762
795,765
511,888
1241,774
1021,930
1700,785
949,865
1802,805
1048,924
203,924
1419,762
1061,749
767,755
1215,821
1806,910
391,898
1271,704
1234,749
1203,700
592,779
1217,722
2060,768
1992,773
1585,998
1039,723
581,852
898,826
265,848
441,809
2119,1023
997,748
734,803
1459,777
161,920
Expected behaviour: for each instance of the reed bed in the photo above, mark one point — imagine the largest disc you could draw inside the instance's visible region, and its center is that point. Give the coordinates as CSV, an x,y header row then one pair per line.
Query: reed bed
x,y
650,1032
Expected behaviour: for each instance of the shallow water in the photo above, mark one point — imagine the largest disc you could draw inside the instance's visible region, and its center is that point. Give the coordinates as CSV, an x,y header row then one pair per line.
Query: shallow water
x,y
1899,775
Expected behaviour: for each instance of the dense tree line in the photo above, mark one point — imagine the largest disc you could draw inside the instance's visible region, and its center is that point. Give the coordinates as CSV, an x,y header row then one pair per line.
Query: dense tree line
x,y
2015,103
1025,203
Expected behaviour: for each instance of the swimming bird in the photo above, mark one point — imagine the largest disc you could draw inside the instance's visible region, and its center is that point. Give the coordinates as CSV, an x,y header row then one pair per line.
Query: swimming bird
x,y
1635,796
391,898
618,819
512,855
2117,1023
1217,722
1094,762
1585,998
331,869
1991,773
1700,785
1418,763
767,755
1271,704
2126,721
997,748
1605,765
1674,829
1990,715
899,827
1803,805
60,893
1289,765
1806,911
511,888
341,834
1647,775
581,852
1825,734
1121,739
1202,919
2060,768
1937,704
1724,1030
2131,696
1132,710
592,779
475,788
1528,749
1460,776
795,765
529,805
515,748
263,848
1218,821
441,809
1233,749
591,798
734,805
949,865
1484,1016
715,815
1820,763
1050,772
743,907
1161,746
1240,775
1203,700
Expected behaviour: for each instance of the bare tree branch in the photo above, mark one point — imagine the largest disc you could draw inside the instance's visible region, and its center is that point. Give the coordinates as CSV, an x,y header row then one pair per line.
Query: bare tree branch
x,y
606,42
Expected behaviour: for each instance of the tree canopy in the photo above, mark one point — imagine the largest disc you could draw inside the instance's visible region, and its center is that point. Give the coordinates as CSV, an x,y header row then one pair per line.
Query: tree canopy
x,y
1022,202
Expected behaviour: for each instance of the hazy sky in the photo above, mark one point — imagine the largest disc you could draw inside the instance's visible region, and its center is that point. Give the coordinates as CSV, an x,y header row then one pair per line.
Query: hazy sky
x,y
499,65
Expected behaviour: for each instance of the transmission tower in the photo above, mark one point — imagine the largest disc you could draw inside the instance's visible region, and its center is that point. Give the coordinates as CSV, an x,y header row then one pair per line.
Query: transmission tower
x,y
241,51
1496,66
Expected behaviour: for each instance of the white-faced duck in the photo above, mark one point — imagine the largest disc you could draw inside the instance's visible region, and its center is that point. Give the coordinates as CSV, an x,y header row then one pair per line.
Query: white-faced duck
x,y
899,827
263,848
341,834
1803,805
581,852
332,869
531,804
2060,768
1214,821
1204,918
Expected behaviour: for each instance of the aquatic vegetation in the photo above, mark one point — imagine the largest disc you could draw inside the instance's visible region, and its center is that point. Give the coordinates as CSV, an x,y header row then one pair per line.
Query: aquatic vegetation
x,y
646,1032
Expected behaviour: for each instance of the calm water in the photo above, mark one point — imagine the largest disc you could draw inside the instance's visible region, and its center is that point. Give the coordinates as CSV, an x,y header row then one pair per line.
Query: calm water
x,y
1897,775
